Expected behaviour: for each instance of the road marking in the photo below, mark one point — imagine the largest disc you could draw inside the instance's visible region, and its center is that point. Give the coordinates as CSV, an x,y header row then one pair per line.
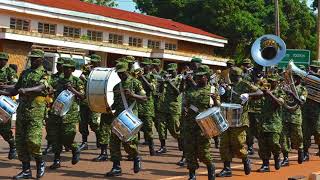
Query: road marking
x,y
217,170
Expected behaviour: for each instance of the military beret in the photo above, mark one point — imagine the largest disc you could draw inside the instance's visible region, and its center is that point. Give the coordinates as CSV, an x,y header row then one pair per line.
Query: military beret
x,y
246,61
172,67
4,56
36,53
60,60
146,61
156,61
95,58
122,67
196,60
130,59
236,71
203,70
69,62
231,61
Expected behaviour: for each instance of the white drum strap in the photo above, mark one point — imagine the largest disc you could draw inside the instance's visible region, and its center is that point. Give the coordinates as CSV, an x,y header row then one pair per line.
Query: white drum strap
x,y
124,100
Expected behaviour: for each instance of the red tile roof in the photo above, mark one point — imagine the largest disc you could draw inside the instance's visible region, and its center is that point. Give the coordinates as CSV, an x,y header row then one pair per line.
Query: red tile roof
x,y
77,5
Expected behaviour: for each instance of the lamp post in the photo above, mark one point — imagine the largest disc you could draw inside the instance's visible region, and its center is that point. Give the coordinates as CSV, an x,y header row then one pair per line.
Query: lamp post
x,y
318,33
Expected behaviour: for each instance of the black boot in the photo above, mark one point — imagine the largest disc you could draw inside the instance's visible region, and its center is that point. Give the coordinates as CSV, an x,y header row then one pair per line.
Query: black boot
x,y
285,161
151,147
265,166
300,156
13,151
216,142
56,162
246,166
180,144
84,144
192,175
306,155
75,156
115,171
226,171
163,148
48,149
137,164
211,171
41,167
97,141
103,154
250,150
277,162
182,161
25,173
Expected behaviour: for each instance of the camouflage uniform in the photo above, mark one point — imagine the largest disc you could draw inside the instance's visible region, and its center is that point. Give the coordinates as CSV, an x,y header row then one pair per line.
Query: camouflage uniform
x,y
7,77
292,135
311,123
105,128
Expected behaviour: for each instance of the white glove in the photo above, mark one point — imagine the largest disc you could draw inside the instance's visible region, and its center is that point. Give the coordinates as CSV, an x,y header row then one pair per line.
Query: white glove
x,y
244,97
221,91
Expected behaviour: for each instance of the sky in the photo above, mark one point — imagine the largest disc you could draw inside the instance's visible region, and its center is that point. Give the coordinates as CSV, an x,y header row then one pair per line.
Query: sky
x,y
129,5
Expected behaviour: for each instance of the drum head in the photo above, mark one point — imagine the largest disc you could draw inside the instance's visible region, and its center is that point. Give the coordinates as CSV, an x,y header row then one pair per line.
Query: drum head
x,y
112,81
231,106
207,112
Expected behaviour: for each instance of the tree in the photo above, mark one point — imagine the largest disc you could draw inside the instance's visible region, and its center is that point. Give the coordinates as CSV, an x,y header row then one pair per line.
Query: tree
x,y
241,21
109,3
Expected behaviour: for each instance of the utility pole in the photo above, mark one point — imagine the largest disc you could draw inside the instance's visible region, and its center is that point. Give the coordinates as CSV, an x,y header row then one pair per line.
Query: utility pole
x,y
318,33
277,20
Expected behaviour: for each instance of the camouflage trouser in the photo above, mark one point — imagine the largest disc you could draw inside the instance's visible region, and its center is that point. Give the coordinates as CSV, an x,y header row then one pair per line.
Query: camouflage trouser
x,y
105,128
64,135
291,137
5,131
147,127
252,131
310,126
195,145
87,117
170,121
162,133
50,124
232,143
130,147
29,126
269,143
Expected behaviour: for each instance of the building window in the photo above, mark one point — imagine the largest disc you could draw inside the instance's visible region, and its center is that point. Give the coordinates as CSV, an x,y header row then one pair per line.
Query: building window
x,y
115,39
94,35
170,46
19,24
71,32
153,44
135,42
46,28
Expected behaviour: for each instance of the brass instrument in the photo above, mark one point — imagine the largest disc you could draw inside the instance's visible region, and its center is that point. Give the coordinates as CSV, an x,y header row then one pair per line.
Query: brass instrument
x,y
312,82
288,79
268,50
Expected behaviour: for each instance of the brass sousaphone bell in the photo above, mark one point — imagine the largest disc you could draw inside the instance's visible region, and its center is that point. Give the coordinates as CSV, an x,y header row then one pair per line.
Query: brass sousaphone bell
x,y
268,50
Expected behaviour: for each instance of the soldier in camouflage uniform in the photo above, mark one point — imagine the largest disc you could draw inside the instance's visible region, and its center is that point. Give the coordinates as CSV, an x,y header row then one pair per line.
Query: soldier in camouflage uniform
x,y
7,77
292,123
311,119
233,140
170,118
197,146
49,119
65,126
131,89
87,117
32,87
146,109
247,70
270,126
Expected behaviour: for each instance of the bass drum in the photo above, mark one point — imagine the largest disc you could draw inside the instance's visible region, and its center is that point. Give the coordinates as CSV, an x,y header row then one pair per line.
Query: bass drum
x,y
101,82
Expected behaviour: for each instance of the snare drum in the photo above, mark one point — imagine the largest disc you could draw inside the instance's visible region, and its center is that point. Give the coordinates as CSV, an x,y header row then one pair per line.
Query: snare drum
x,y
232,113
211,122
100,86
126,125
7,108
63,103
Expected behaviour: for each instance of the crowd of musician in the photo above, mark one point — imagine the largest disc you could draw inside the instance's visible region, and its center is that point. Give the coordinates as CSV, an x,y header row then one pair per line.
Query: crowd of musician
x,y
234,106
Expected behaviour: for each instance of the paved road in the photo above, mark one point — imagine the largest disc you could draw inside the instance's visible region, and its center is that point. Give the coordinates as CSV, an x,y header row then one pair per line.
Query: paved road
x,y
155,167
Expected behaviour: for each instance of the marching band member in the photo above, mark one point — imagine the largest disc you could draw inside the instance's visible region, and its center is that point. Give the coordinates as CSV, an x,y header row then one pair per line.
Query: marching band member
x,y
65,126
7,77
130,90
32,87
233,140
196,146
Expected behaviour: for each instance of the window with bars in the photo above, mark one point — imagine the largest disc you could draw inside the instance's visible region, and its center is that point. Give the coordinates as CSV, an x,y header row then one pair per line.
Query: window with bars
x,y
170,46
71,32
46,28
115,39
135,42
153,44
95,35
19,24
